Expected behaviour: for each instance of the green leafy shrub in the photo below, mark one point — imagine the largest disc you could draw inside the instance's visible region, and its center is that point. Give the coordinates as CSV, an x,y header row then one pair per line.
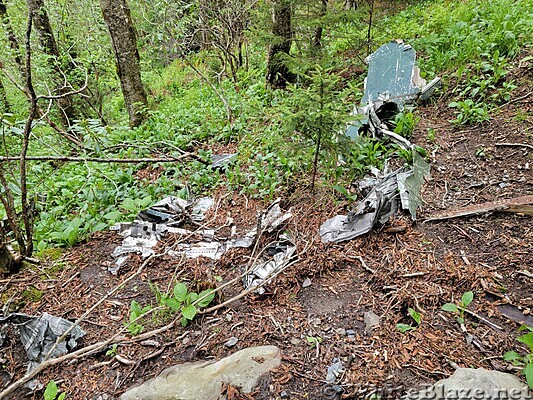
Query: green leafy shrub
x,y
469,112
524,361
185,302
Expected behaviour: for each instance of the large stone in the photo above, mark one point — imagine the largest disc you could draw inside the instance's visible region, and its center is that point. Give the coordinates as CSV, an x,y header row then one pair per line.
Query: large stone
x,y
204,380
474,384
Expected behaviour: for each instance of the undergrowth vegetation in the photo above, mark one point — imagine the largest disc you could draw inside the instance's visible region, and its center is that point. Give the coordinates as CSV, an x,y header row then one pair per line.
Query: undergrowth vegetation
x,y
275,132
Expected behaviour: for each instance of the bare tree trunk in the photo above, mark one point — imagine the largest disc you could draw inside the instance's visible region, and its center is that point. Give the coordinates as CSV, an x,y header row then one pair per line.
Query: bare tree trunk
x,y
350,5
4,102
278,73
49,45
118,19
317,38
12,39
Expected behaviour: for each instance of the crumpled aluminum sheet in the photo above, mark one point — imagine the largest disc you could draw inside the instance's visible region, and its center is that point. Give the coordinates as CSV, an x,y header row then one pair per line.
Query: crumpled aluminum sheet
x,y
268,220
400,188
142,235
222,160
393,80
282,254
39,334
170,210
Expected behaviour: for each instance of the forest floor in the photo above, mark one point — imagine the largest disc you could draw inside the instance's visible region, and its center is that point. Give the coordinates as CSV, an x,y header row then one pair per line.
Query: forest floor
x,y
423,266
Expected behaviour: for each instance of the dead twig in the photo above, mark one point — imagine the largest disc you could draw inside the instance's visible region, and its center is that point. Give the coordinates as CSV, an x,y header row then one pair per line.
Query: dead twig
x,y
484,320
516,100
100,160
514,145
363,264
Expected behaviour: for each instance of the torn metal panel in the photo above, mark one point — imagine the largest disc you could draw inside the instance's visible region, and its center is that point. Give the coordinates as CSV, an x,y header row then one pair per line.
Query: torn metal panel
x,y
214,250
400,188
268,221
393,80
392,75
282,253
412,184
429,89
273,217
39,335
172,210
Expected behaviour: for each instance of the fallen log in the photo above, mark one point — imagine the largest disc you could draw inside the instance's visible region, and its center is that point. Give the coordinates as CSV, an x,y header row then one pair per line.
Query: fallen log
x,y
517,205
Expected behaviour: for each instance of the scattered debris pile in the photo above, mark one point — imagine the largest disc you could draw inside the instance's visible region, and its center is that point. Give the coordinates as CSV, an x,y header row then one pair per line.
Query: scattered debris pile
x,y
393,81
172,213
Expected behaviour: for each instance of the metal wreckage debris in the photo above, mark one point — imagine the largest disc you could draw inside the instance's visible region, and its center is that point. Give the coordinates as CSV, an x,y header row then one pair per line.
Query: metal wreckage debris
x,y
39,336
393,81
167,216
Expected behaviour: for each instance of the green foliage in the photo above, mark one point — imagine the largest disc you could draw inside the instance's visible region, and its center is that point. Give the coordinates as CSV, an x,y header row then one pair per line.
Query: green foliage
x,y
181,300
404,123
459,309
134,326
112,352
524,361
417,318
469,112
275,132
313,341
342,190
51,392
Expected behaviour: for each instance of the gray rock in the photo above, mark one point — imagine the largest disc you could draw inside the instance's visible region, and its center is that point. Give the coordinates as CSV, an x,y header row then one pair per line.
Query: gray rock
x,y
372,321
203,380
306,283
296,341
471,384
232,341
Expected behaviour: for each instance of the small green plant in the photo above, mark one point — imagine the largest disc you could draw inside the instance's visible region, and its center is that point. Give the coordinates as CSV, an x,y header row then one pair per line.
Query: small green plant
x,y
51,392
416,317
188,303
134,327
431,135
342,190
481,152
313,341
524,361
469,112
112,352
404,123
459,309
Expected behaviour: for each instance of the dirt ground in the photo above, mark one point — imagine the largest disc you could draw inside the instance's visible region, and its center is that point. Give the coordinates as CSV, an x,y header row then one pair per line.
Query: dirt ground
x,y
422,266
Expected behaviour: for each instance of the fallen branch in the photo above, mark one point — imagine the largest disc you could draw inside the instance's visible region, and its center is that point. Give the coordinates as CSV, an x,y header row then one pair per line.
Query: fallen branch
x,y
514,145
100,160
523,205
85,351
95,305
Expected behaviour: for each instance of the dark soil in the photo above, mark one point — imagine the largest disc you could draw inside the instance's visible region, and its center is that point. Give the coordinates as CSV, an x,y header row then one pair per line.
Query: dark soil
x,y
423,267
